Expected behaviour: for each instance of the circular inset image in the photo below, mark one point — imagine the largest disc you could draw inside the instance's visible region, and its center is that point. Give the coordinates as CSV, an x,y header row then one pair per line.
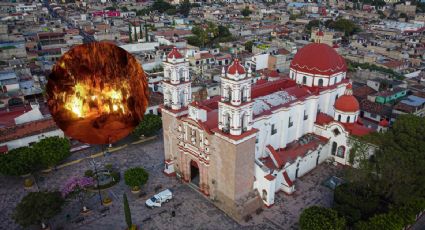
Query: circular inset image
x,y
97,93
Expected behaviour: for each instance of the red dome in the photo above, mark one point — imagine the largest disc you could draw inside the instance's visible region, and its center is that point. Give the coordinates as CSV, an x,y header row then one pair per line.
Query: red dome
x,y
318,58
347,102
175,53
236,67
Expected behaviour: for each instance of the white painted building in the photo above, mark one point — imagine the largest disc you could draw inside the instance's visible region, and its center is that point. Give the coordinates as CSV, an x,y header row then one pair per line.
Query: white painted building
x,y
273,132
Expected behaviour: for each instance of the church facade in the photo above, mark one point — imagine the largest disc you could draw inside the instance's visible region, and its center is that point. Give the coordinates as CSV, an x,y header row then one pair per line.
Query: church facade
x,y
254,140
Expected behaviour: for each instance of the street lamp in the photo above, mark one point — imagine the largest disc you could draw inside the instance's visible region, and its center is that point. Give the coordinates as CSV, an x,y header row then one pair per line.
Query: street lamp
x,y
95,164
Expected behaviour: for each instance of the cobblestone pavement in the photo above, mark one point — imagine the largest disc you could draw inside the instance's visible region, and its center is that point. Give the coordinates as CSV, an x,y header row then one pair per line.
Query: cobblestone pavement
x,y
192,210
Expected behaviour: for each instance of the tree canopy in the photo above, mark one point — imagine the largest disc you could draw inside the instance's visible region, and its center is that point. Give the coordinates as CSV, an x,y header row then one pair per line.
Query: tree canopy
x,y
320,218
52,150
246,12
209,34
149,125
37,207
387,190
19,161
248,45
344,25
136,177
46,153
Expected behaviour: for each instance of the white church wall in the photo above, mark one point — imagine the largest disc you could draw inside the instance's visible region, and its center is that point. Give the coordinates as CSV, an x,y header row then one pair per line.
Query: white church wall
x,y
341,139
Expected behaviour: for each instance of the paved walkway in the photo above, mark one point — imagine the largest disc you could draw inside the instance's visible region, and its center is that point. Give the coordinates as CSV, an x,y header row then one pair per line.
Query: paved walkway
x,y
192,210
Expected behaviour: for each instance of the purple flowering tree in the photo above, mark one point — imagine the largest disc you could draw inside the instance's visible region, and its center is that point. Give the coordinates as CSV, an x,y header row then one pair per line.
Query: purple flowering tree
x,y
77,187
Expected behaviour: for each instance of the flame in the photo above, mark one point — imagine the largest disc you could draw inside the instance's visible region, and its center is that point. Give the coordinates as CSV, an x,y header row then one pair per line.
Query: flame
x,y
108,100
97,93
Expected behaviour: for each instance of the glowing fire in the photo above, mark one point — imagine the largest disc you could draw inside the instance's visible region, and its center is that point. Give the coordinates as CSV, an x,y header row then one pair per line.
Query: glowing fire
x,y
85,100
97,93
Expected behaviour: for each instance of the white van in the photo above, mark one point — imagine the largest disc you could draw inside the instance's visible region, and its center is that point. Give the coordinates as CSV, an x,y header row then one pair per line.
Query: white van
x,y
158,199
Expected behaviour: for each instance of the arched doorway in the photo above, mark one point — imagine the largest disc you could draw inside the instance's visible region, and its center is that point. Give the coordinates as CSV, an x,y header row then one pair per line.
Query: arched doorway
x,y
194,173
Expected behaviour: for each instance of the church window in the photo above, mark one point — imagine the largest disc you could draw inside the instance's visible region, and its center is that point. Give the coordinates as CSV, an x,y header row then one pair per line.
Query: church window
x,y
348,119
339,117
304,80
181,75
334,145
320,82
305,115
341,151
336,97
293,76
291,123
336,132
274,130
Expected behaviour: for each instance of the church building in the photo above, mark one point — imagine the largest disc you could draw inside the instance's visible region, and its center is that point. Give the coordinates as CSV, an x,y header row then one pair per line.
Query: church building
x,y
254,140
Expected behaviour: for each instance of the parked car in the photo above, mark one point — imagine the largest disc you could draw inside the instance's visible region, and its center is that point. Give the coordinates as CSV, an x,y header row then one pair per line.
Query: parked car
x,y
158,199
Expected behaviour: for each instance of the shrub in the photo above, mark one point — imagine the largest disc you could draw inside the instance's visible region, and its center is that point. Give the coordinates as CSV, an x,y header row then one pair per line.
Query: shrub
x,y
52,150
320,218
19,161
136,177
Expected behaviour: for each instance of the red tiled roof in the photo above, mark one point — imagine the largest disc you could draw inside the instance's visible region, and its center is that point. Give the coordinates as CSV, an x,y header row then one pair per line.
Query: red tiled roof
x,y
27,129
287,179
323,118
318,58
275,156
175,54
236,67
294,150
363,91
269,177
356,129
206,55
375,108
283,51
8,118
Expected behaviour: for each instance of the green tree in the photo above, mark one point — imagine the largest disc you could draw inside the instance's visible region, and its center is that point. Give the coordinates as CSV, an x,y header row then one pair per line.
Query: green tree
x,y
185,7
149,125
124,9
111,8
136,177
246,12
320,218
127,213
161,6
19,161
52,150
311,24
344,25
248,45
358,199
37,208
400,160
